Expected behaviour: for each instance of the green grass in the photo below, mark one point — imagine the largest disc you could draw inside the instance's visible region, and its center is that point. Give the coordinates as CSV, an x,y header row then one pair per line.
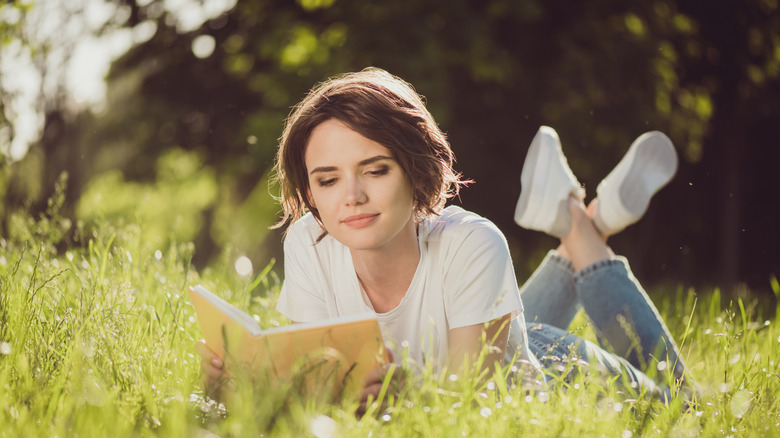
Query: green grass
x,y
96,339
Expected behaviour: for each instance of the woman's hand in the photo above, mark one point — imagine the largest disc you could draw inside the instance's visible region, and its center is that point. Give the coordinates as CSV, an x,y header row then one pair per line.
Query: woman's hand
x,y
211,370
373,381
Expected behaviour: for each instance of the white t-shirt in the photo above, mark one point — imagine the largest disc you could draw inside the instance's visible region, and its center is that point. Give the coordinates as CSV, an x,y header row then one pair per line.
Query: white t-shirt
x,y
464,277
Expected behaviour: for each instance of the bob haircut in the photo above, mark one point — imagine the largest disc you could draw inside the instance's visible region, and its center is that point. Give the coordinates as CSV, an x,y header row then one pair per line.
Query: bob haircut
x,y
383,108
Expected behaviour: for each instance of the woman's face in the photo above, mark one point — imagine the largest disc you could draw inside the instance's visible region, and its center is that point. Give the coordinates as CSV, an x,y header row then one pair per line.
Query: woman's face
x,y
363,197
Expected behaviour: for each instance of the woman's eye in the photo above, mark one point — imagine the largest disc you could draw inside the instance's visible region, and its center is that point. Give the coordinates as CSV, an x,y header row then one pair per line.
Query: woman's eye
x,y
326,182
379,171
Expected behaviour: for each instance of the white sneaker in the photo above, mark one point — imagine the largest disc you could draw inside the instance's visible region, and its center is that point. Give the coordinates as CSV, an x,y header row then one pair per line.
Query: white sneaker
x,y
625,193
547,183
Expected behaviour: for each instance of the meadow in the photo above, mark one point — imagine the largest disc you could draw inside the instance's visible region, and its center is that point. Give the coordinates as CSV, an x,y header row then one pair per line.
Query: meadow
x,y
97,333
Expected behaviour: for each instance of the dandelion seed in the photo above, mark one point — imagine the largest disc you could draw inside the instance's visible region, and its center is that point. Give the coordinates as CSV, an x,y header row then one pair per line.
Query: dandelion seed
x,y
740,403
69,256
3,261
14,413
158,255
661,365
453,377
5,348
626,434
529,398
699,413
734,359
508,399
724,388
708,331
577,386
243,266
386,417
485,412
323,426
617,407
491,386
91,392
55,263
88,348
542,396
129,257
84,264
534,421
404,344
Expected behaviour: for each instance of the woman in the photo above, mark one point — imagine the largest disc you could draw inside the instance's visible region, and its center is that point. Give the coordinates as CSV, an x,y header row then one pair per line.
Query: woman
x,y
365,171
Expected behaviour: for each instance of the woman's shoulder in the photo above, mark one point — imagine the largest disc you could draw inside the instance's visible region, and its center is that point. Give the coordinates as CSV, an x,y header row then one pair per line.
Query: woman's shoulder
x,y
456,225
305,230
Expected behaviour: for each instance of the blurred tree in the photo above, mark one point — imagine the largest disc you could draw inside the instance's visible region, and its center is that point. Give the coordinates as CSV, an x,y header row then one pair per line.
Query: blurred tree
x,y
600,72
12,39
735,59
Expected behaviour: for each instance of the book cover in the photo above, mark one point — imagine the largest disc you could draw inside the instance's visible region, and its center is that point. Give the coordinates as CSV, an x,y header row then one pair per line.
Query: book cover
x,y
342,350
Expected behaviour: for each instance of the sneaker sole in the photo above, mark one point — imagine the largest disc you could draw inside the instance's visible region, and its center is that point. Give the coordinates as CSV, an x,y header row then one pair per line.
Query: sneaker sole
x,y
653,166
535,188
530,180
649,164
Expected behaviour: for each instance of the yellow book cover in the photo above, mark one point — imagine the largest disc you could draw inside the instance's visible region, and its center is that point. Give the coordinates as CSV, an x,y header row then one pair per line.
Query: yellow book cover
x,y
344,349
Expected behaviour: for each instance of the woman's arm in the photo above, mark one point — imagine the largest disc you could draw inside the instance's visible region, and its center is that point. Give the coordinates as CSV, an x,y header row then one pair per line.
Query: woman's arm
x,y
466,343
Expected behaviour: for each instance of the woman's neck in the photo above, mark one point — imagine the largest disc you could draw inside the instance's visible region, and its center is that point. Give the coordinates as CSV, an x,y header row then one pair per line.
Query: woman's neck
x,y
386,273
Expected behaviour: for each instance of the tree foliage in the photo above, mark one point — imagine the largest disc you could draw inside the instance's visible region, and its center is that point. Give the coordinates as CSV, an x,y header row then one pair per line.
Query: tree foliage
x,y
600,72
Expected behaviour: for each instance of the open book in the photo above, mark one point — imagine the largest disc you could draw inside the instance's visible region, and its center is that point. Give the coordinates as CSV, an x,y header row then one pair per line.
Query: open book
x,y
342,350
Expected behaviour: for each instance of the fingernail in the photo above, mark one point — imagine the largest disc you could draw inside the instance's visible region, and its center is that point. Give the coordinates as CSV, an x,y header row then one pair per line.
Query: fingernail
x,y
216,362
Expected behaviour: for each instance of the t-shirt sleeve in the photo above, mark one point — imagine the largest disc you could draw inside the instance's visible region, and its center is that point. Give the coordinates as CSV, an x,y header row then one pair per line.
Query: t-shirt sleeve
x,y
480,283
302,297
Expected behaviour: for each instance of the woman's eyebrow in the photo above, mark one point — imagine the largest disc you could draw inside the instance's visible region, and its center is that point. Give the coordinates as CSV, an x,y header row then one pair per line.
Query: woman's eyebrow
x,y
367,161
372,160
323,169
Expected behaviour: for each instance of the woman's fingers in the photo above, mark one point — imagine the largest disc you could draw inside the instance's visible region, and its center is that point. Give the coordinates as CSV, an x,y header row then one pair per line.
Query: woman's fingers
x,y
207,356
211,369
374,380
371,391
205,353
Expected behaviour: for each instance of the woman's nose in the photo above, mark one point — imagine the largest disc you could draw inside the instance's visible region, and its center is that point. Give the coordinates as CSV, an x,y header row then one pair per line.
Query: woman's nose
x,y
355,194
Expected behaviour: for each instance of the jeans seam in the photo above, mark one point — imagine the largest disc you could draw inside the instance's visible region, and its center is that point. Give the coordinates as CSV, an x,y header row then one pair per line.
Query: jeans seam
x,y
594,268
561,262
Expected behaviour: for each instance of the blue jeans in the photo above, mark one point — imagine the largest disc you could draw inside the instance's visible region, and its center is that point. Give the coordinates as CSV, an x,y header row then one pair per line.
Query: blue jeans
x,y
632,336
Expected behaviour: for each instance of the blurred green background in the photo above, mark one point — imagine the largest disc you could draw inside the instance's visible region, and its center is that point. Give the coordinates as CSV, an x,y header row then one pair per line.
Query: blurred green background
x,y
197,91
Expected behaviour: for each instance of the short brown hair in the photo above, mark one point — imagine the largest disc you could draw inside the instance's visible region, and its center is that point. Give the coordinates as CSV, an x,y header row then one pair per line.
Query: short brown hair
x,y
383,108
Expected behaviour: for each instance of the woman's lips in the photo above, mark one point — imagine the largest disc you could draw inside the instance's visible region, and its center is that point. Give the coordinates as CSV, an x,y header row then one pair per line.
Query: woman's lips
x,y
360,220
